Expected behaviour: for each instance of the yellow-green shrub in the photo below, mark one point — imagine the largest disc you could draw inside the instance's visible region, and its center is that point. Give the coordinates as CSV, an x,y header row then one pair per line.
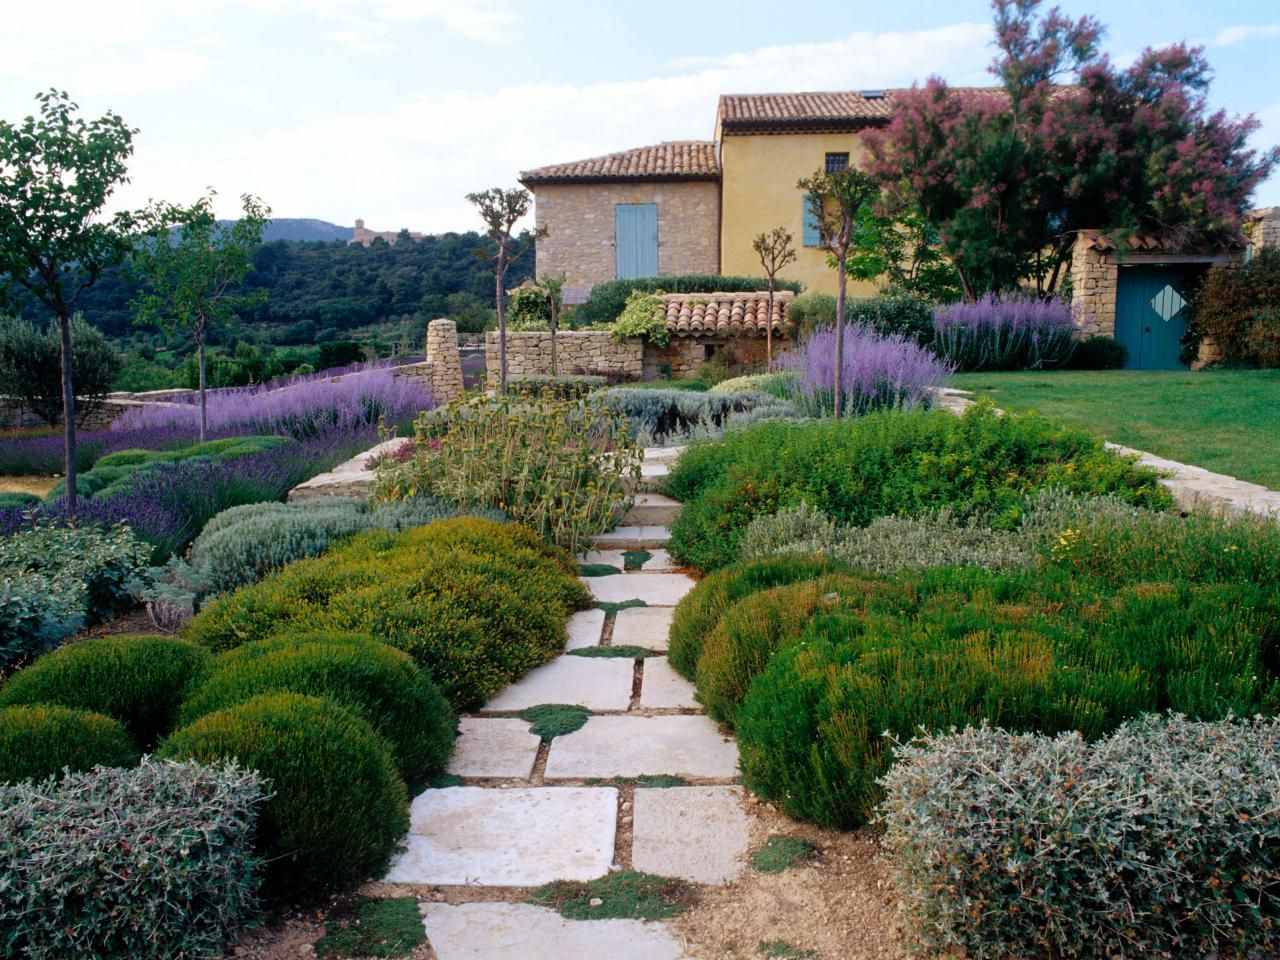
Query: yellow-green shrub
x,y
38,741
475,602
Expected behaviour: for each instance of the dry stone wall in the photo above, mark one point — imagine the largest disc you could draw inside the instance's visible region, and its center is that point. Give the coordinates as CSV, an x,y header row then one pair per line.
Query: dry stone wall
x,y
1094,275
577,351
442,370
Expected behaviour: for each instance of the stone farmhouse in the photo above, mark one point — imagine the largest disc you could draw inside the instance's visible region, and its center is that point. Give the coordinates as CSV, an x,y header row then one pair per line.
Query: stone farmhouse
x,y
694,206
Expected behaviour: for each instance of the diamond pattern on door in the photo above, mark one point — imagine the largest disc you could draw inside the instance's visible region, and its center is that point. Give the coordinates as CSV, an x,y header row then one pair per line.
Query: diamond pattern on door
x,y
1168,303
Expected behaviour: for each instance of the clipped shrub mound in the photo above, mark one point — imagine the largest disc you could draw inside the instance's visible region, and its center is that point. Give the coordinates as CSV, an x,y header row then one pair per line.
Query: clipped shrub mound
x,y
1159,840
890,463
138,680
338,805
381,684
475,602
699,610
1040,651
70,883
665,415
39,741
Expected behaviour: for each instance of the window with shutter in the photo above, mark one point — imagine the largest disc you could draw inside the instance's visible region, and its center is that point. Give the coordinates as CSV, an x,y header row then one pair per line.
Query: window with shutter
x,y
837,162
812,235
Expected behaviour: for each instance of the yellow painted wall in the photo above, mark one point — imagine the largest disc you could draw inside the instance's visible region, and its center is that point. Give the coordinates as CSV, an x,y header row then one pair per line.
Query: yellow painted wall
x,y
759,174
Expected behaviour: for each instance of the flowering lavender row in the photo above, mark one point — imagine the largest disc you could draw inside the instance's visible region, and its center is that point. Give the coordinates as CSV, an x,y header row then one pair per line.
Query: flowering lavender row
x,y
1013,333
879,371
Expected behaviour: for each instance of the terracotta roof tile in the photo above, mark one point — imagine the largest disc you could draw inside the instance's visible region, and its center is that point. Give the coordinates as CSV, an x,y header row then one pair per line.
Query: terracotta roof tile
x,y
672,160
740,112
726,314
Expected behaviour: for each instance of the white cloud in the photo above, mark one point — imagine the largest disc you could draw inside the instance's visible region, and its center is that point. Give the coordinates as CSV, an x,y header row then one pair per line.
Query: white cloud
x,y
410,164
1230,36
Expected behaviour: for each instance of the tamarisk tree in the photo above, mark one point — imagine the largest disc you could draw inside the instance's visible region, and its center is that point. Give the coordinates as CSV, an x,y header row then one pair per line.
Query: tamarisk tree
x,y
775,252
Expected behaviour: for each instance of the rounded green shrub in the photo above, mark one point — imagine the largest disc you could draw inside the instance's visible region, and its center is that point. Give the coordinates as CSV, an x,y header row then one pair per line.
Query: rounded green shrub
x,y
1040,651
475,602
698,612
381,684
138,680
38,741
338,805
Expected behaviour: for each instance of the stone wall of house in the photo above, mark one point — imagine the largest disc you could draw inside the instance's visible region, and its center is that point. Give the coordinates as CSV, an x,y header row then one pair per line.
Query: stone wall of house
x,y
579,224
1094,277
1262,228
684,356
442,370
577,351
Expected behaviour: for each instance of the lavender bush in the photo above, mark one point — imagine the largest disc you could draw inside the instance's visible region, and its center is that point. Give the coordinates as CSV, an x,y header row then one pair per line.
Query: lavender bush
x,y
879,371
1013,333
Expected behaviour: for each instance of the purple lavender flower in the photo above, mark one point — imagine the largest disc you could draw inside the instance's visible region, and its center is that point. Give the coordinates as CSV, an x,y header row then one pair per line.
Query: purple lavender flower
x,y
879,370
1013,333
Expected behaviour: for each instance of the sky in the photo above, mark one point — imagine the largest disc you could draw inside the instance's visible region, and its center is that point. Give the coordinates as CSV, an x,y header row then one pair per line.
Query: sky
x,y
393,110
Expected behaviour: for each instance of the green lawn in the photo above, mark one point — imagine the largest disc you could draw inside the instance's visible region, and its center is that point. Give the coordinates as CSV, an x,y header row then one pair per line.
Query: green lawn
x,y
1226,421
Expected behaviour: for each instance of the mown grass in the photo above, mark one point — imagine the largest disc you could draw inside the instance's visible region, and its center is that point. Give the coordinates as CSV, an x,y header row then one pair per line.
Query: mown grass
x,y
626,895
1226,421
378,928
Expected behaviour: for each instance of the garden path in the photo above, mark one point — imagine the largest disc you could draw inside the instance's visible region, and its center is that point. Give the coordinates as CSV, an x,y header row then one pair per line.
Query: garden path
x,y
648,783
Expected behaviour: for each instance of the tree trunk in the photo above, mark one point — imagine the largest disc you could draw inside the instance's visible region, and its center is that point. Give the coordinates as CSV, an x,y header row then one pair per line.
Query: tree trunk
x,y
204,412
841,277
68,413
768,332
498,273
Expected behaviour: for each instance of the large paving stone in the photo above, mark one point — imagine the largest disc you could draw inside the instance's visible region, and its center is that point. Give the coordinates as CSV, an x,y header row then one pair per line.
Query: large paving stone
x,y
659,561
597,683
643,627
657,589
494,747
663,687
698,833
521,931
653,509
585,628
508,838
689,746
632,538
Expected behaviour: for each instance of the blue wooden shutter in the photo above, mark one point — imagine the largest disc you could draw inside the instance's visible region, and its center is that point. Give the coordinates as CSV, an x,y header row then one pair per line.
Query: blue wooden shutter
x,y
636,239
812,235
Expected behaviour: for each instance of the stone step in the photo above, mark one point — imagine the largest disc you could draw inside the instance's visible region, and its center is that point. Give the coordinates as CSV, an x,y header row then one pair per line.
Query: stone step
x,y
653,474
655,589
632,538
522,931
653,509
662,454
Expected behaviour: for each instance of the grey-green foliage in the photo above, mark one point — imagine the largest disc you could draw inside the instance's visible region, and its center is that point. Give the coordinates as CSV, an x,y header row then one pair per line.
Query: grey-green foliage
x,y
781,384
1160,840
153,861
887,544
244,544
667,416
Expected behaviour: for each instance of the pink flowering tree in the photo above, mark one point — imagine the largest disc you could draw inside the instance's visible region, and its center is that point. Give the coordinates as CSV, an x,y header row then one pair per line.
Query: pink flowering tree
x,y
1009,176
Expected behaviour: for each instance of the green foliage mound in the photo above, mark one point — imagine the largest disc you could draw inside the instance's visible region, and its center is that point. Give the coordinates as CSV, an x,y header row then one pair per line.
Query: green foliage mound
x,y
475,602
381,684
699,610
1239,307
890,463
338,806
155,861
1039,650
138,680
39,741
1157,841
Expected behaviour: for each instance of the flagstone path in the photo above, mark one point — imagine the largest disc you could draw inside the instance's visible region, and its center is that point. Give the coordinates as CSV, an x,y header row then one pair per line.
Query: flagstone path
x,y
528,812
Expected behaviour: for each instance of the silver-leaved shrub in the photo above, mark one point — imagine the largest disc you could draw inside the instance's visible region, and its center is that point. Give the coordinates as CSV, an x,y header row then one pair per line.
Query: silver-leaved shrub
x,y
154,861
1160,840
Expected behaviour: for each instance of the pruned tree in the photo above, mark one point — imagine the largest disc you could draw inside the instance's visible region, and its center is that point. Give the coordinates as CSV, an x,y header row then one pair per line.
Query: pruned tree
x,y
192,267
836,200
775,252
501,210
57,172
552,288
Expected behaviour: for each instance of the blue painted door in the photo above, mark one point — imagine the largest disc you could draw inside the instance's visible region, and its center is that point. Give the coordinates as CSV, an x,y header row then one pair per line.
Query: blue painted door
x,y
635,227
1152,310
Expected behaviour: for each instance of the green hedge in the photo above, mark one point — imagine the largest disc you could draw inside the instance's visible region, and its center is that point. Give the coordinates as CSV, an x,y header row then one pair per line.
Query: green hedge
x,y
475,602
1041,650
138,680
607,299
337,807
902,463
40,740
373,680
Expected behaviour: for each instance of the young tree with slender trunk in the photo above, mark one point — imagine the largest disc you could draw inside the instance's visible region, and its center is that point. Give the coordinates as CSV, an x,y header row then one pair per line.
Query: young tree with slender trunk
x,y
775,252
191,267
835,201
501,210
552,288
57,172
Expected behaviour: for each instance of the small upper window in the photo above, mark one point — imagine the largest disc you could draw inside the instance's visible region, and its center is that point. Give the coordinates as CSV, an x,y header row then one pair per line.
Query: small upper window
x,y
837,162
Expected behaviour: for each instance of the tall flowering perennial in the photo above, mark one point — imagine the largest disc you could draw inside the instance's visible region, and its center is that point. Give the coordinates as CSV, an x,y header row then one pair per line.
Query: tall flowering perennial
x,y
1011,333
878,372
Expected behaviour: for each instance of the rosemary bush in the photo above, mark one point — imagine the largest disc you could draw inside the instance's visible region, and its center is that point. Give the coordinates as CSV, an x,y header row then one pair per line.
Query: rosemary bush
x,y
1160,840
558,466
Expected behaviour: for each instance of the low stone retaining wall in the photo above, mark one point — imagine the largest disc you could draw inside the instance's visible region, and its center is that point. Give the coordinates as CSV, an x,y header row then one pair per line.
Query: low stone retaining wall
x,y
577,351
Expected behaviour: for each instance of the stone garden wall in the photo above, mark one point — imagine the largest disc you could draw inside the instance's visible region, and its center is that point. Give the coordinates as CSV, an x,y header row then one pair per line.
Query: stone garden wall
x,y
1094,276
443,367
577,351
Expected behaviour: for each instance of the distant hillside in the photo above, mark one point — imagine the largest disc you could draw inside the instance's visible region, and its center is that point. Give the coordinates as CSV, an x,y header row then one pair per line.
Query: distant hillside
x,y
305,229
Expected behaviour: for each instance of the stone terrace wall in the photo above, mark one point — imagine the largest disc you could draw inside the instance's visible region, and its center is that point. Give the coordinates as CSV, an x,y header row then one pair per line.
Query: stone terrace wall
x,y
14,417
577,351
